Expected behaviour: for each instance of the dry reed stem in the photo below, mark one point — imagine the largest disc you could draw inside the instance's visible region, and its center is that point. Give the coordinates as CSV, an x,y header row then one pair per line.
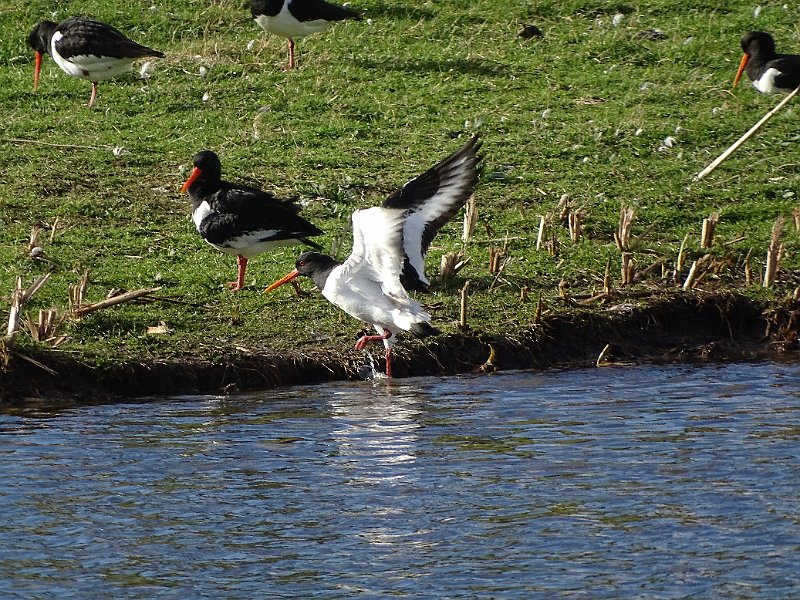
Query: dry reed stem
x,y
33,240
628,270
537,315
622,236
77,292
608,285
540,235
462,322
774,254
689,283
451,263
470,219
44,330
707,234
696,273
574,223
496,259
553,246
564,208
84,309
19,298
748,270
53,230
601,358
679,262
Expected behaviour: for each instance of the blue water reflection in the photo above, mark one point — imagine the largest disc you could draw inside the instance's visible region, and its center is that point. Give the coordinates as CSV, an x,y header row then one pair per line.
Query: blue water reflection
x,y
657,482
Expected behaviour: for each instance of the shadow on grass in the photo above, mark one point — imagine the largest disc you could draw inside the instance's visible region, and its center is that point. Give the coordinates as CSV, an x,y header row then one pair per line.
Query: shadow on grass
x,y
465,66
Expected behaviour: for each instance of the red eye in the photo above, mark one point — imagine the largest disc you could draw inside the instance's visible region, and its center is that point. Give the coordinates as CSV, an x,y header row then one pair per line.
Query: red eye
x,y
301,263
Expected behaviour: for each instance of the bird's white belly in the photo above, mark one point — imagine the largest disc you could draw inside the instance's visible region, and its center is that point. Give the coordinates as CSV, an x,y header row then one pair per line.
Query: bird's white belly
x,y
284,24
766,83
91,68
372,305
251,244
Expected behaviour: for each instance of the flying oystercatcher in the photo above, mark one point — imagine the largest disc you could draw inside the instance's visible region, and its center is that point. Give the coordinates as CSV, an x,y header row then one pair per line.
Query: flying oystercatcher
x,y
387,241
769,71
86,49
297,18
241,220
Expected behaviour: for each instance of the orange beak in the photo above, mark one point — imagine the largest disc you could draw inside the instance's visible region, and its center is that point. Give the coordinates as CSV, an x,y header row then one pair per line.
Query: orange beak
x,y
196,172
36,72
280,282
745,58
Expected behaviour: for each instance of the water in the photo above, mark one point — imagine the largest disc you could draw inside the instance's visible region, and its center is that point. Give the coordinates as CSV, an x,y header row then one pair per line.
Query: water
x,y
656,482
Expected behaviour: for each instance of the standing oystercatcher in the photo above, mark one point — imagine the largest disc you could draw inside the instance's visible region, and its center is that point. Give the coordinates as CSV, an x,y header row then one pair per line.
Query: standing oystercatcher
x,y
769,71
86,49
297,18
241,220
368,284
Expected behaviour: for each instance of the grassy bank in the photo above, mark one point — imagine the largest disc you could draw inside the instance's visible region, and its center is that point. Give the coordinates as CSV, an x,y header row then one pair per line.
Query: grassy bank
x,y
595,110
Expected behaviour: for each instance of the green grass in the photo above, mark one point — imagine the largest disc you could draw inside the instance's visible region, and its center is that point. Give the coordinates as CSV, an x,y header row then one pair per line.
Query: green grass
x,y
581,111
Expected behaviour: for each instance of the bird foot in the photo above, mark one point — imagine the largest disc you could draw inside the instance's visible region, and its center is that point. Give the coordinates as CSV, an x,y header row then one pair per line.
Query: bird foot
x,y
366,339
235,286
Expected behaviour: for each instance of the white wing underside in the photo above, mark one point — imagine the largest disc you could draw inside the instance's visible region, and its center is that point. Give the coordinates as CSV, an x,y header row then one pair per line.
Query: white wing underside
x,y
367,285
418,218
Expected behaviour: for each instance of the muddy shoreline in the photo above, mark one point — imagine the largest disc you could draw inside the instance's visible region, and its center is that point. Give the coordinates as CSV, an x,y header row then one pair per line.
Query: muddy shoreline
x,y
677,329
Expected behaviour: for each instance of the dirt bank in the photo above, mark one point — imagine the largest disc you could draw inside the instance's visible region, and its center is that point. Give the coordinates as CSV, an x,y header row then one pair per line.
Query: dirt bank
x,y
680,328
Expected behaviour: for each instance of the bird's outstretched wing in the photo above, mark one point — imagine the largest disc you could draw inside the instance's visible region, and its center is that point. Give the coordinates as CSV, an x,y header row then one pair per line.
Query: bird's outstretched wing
x,y
430,200
377,249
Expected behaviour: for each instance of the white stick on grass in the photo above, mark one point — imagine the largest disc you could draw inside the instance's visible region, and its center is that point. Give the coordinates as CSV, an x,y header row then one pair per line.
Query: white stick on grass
x,y
746,136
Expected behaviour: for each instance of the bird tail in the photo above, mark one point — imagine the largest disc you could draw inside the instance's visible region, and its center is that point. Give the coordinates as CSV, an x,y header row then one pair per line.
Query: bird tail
x,y
311,243
423,329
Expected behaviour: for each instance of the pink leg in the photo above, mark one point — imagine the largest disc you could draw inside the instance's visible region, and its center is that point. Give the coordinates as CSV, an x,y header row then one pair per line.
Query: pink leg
x,y
241,263
388,362
366,339
94,95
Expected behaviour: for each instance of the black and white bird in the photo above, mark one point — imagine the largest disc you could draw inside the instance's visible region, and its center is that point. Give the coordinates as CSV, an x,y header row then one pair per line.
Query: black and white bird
x,y
85,49
389,247
769,71
241,220
297,18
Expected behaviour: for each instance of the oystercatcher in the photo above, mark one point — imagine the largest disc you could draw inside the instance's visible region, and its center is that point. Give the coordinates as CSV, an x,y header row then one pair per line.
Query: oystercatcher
x,y
297,18
86,49
769,71
241,220
368,284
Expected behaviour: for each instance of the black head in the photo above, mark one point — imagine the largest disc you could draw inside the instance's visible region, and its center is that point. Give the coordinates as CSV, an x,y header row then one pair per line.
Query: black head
x,y
265,7
310,262
758,43
315,265
39,39
208,162
205,175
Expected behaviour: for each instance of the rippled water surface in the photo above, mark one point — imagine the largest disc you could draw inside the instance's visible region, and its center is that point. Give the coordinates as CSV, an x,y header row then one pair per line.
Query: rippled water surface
x,y
656,482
